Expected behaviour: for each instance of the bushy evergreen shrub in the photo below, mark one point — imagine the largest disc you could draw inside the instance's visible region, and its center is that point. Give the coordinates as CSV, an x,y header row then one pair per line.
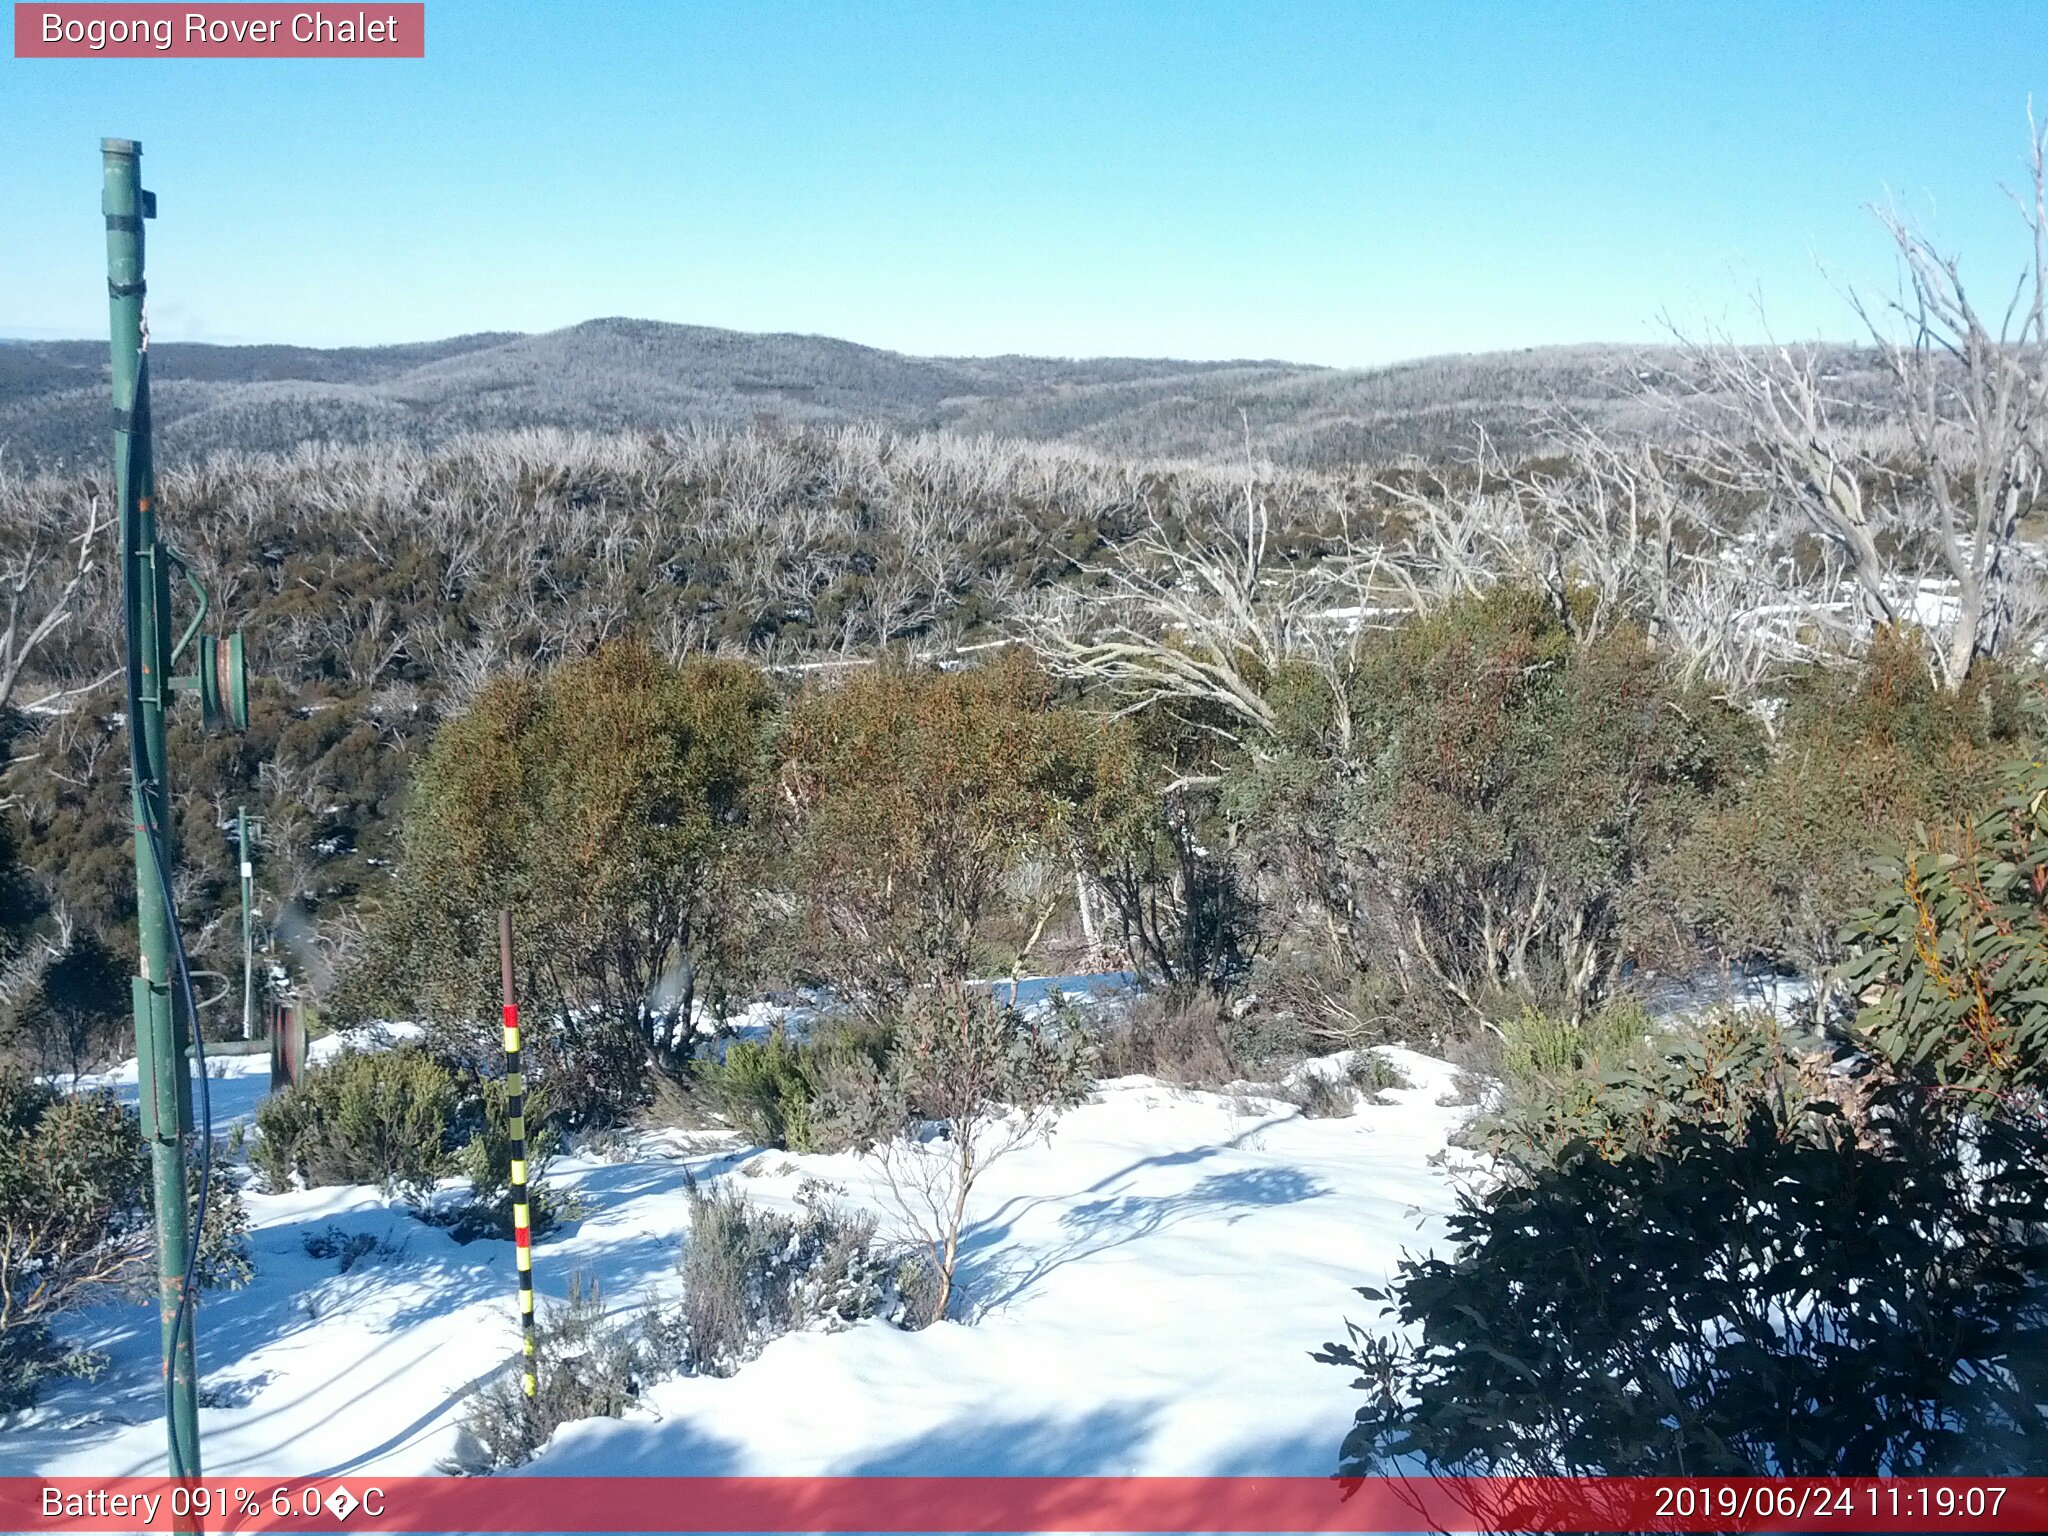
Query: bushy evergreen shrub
x,y
1537,1047
908,802
486,1156
1733,1263
1499,783
1952,959
345,1249
1153,834
765,1088
74,1221
366,1117
225,1262
1862,755
750,1275
1373,1075
824,1092
608,804
485,1159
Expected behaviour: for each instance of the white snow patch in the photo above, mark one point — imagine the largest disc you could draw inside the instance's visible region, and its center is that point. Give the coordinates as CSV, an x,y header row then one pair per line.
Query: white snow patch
x,y
1148,1284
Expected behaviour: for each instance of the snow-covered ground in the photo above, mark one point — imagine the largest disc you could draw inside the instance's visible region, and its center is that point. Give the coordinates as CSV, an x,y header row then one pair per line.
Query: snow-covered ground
x,y
1149,1283
1681,997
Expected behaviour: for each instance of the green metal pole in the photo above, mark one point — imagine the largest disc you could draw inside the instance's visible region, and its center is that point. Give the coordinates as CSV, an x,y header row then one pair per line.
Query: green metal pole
x,y
160,1044
248,930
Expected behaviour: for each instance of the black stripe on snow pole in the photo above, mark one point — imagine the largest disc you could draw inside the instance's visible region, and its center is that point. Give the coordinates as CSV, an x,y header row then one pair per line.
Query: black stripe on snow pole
x,y
515,1113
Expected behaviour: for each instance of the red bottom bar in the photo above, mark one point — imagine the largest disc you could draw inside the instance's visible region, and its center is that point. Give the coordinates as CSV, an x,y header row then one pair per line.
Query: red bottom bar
x,y
1020,1504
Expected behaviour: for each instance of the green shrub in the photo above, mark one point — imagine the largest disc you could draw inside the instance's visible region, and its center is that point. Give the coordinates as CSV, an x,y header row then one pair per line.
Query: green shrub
x,y
74,1190
1151,832
584,1368
1373,1075
858,1098
485,1159
1731,1263
224,1259
1539,1077
1309,1000
1499,784
1862,756
826,1092
1536,1046
909,801
366,1117
750,1275
1952,960
1331,1090
764,1087
608,803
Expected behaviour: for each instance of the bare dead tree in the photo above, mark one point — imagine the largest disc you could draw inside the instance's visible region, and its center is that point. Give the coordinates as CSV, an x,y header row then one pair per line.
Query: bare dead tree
x,y
1202,622
33,613
1613,533
1970,388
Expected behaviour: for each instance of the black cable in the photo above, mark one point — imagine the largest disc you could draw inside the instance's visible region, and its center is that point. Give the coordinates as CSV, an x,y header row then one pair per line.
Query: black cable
x,y
188,1293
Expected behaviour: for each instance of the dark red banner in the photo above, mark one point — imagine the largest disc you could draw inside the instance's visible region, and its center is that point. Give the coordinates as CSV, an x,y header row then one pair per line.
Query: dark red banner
x,y
1006,1504
102,31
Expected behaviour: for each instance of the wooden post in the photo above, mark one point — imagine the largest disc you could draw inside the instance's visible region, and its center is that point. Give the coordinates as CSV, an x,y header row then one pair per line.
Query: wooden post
x,y
290,1032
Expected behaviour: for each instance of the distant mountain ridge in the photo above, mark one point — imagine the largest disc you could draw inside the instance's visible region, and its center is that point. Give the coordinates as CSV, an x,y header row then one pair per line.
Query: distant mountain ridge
x,y
620,374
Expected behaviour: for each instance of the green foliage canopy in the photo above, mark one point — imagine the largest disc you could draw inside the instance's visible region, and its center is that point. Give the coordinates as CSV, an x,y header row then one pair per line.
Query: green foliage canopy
x,y
1502,784
1731,1265
1952,959
608,804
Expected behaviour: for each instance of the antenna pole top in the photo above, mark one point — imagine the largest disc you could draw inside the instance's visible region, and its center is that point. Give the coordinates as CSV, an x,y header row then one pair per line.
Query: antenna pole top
x,y
120,147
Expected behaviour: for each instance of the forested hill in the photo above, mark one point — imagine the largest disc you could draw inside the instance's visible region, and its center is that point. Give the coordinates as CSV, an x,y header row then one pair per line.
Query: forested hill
x,y
612,374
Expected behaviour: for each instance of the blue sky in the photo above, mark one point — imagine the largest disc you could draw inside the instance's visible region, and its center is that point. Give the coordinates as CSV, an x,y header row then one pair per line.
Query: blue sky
x,y
1345,183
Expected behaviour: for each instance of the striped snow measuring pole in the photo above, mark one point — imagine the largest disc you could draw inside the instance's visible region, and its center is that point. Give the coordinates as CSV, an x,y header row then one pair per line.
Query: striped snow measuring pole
x,y
515,1112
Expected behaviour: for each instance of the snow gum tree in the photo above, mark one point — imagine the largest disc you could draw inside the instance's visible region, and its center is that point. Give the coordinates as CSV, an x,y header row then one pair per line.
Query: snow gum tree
x,y
607,803
1471,812
1939,493
910,803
